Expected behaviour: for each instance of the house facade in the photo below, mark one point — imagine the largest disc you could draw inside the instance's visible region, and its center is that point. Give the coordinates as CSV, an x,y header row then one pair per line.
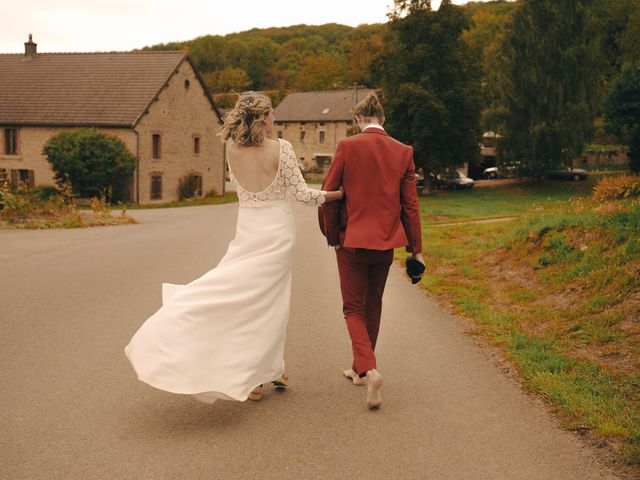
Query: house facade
x,y
314,123
155,102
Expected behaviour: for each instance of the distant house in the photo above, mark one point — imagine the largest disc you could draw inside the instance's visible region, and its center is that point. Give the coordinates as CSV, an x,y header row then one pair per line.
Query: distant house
x,y
155,102
314,123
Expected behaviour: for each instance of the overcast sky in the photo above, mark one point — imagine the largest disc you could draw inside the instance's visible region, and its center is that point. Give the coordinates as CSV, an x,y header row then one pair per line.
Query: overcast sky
x,y
106,25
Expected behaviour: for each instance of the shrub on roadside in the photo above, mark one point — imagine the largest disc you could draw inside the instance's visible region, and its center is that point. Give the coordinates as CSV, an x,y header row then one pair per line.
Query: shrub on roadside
x,y
92,162
24,204
617,188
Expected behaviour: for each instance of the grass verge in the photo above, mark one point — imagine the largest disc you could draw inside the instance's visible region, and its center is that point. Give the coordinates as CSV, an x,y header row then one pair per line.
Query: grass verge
x,y
209,200
557,290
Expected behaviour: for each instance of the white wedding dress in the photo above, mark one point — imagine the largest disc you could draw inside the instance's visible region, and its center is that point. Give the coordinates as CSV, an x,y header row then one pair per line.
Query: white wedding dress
x,y
223,334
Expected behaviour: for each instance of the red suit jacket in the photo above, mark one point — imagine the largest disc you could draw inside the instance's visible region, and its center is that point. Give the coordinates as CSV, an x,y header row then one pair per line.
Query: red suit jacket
x,y
380,210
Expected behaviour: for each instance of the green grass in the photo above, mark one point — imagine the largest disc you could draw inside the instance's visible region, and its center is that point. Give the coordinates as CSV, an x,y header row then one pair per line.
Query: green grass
x,y
495,202
564,312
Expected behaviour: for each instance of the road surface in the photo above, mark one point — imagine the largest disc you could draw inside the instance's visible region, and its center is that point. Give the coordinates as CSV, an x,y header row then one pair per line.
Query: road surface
x,y
72,408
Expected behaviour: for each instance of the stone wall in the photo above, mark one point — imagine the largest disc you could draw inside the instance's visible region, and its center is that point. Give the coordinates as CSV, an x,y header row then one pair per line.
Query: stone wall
x,y
179,115
313,156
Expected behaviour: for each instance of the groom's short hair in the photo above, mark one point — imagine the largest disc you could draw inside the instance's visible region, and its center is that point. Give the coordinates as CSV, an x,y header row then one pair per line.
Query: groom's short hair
x,y
369,107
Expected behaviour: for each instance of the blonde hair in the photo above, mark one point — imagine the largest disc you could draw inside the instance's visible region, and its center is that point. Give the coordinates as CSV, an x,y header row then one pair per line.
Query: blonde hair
x,y
369,107
244,123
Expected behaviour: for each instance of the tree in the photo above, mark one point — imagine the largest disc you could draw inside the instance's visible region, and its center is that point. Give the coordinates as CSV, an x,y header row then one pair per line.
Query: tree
x,y
431,82
550,74
92,161
227,80
622,111
322,72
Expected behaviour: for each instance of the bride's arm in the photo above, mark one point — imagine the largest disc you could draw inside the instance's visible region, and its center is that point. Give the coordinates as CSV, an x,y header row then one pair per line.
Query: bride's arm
x,y
297,186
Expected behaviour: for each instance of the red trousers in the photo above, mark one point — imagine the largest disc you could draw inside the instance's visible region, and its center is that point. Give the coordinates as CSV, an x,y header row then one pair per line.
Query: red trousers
x,y
363,275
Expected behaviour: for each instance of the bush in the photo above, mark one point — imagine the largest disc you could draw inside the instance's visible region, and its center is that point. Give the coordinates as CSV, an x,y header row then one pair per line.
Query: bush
x,y
190,185
617,188
26,203
91,161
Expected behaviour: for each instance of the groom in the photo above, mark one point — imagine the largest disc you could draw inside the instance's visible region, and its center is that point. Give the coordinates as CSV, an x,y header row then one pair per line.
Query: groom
x,y
380,213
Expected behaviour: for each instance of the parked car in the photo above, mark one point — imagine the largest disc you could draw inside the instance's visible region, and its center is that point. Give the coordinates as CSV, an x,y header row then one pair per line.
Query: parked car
x,y
491,172
567,173
504,171
454,180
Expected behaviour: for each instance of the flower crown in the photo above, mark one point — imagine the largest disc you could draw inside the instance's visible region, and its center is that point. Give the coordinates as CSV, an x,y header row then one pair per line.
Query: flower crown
x,y
243,106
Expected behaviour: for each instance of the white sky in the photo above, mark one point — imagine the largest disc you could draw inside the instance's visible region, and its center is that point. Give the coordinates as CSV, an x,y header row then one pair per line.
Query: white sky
x,y
107,25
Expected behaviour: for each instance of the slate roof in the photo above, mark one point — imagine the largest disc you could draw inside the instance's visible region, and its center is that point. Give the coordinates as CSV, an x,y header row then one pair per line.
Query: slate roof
x,y
330,105
84,89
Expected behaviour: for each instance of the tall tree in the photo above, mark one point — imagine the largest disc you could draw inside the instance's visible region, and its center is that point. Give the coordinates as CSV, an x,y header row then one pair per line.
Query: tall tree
x,y
549,69
622,111
431,82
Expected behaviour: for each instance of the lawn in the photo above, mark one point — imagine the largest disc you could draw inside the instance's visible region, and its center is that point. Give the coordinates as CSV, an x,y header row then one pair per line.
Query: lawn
x,y
556,289
445,206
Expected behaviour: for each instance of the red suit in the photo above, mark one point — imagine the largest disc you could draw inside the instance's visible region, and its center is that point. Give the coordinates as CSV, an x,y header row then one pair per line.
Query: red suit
x,y
380,213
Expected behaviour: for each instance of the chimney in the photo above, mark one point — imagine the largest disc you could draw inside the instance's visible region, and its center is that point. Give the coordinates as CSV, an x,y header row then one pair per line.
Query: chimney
x,y
30,48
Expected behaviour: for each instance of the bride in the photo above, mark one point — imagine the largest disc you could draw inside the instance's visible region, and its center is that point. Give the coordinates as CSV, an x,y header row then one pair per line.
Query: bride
x,y
222,335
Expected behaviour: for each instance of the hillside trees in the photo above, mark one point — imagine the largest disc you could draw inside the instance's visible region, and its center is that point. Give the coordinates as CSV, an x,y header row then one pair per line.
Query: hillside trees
x,y
431,81
301,57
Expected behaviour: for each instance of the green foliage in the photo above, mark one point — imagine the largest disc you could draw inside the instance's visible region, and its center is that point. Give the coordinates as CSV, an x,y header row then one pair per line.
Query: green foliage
x,y
634,149
431,83
190,185
227,80
549,83
91,161
622,101
24,203
618,32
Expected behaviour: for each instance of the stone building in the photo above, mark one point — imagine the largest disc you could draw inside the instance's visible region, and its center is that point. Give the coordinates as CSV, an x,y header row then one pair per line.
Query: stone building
x,y
155,102
314,123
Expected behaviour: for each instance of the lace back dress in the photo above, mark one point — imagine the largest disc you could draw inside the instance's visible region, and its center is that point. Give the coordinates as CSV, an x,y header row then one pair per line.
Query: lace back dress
x,y
223,333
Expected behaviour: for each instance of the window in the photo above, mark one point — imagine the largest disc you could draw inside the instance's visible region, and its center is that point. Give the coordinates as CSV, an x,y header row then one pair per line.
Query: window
x,y
187,84
156,146
196,145
279,133
156,187
23,177
302,135
321,135
10,141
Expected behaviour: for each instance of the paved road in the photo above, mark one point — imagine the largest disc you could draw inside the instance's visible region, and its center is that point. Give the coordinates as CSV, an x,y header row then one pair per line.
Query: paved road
x,y
71,407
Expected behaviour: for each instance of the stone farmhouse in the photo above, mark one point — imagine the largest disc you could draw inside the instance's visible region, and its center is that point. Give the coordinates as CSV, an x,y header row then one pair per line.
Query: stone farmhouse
x,y
155,102
314,123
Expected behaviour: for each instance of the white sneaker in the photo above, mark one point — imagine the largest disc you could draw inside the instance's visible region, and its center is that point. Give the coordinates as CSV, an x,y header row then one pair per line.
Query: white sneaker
x,y
374,385
357,380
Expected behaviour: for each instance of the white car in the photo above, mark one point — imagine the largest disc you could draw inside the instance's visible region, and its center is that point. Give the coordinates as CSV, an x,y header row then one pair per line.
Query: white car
x,y
491,172
454,180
